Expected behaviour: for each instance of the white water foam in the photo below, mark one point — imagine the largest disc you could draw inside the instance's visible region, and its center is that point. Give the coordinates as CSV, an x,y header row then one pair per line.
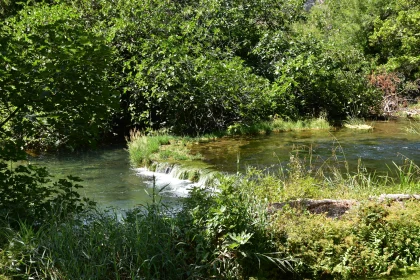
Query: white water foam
x,y
172,186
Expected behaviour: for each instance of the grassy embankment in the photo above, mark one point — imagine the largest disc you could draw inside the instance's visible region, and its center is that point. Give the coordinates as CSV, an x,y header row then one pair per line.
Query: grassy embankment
x,y
278,125
372,238
158,152
232,235
158,149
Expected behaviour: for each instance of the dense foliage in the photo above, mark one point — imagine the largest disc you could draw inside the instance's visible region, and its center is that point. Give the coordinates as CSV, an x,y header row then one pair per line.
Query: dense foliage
x,y
72,72
229,234
88,68
53,78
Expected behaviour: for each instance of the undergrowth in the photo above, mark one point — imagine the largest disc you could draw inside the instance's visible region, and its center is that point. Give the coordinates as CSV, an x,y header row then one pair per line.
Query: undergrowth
x,y
372,240
222,235
230,233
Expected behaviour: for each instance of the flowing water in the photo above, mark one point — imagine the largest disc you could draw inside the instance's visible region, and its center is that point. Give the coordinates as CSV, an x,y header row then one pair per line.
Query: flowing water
x,y
109,179
377,149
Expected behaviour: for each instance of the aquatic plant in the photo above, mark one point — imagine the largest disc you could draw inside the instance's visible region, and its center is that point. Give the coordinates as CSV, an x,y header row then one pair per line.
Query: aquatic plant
x,y
357,123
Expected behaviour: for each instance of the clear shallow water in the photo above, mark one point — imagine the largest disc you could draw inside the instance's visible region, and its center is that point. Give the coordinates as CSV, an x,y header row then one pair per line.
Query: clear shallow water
x,y
377,149
108,177
110,180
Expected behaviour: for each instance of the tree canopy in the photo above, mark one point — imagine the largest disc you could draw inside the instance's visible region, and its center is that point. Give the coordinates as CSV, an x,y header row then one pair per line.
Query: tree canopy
x,y
71,71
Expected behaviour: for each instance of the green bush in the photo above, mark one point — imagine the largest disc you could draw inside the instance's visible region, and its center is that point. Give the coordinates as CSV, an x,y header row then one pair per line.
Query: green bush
x,y
216,235
28,195
374,239
230,232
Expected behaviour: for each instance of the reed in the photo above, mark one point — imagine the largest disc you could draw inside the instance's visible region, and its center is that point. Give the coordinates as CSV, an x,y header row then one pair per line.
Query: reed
x,y
413,128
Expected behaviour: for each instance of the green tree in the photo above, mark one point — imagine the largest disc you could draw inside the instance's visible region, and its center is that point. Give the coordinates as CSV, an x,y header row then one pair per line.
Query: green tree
x,y
397,38
178,66
319,63
53,78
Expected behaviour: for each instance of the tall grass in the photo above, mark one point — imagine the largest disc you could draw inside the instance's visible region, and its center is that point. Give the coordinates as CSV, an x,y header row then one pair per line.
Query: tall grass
x,y
215,236
413,128
144,150
357,123
142,147
318,123
230,234
278,125
373,238
307,175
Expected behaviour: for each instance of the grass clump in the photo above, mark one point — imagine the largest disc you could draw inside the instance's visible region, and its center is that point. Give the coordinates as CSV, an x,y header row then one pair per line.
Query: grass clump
x,y
278,125
146,149
318,123
357,123
413,128
245,129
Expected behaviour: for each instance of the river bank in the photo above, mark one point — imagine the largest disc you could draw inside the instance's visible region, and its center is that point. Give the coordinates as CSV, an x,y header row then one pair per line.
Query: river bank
x,y
341,246
232,233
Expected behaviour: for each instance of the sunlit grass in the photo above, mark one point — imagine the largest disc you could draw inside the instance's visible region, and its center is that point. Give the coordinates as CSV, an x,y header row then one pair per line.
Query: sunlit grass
x,y
227,234
413,128
357,123
144,149
278,125
308,176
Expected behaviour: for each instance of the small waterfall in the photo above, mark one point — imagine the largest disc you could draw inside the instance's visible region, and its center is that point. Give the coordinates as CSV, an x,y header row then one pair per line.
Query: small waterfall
x,y
162,167
177,180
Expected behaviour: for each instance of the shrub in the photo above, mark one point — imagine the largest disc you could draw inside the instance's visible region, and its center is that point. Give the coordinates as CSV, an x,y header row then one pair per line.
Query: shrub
x,y
27,194
230,234
372,240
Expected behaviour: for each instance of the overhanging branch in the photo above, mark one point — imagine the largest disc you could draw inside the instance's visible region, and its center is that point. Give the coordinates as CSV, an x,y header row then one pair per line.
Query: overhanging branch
x,y
9,117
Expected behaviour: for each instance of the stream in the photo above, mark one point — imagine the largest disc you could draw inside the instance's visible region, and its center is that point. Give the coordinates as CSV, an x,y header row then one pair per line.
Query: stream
x,y
109,179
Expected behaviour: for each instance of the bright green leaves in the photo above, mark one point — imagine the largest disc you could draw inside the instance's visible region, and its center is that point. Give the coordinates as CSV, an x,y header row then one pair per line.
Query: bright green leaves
x,y
398,39
195,66
56,74
319,64
27,194
182,72
200,94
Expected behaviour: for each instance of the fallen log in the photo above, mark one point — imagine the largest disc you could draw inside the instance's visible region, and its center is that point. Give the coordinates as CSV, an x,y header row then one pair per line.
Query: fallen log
x,y
394,197
335,208
332,207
